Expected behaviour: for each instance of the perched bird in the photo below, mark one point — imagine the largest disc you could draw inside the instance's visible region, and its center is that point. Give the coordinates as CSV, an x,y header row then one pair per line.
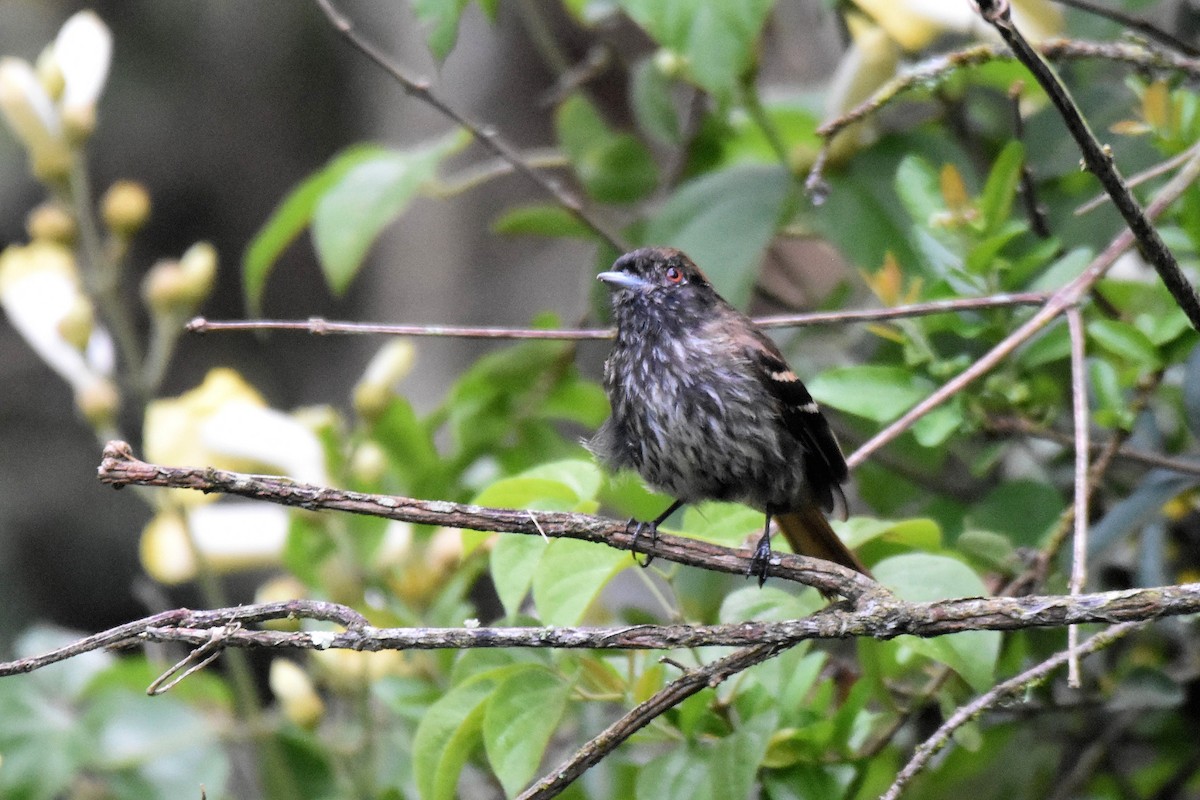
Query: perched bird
x,y
704,407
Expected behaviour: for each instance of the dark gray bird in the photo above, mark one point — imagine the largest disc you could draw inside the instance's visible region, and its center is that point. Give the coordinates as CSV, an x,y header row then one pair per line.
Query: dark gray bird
x,y
704,406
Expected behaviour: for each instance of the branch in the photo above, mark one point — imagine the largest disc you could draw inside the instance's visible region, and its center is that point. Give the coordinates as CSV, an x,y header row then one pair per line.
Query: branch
x,y
1139,24
941,737
319,326
486,136
1098,158
879,616
119,467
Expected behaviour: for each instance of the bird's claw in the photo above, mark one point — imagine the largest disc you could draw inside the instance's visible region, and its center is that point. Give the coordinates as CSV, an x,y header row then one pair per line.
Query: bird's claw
x,y
638,528
761,560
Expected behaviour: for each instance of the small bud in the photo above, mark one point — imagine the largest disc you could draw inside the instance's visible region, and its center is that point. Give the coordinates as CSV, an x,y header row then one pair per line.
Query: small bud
x,y
125,207
199,266
670,63
83,50
31,115
374,390
77,324
179,287
369,463
294,690
98,403
162,287
51,222
49,73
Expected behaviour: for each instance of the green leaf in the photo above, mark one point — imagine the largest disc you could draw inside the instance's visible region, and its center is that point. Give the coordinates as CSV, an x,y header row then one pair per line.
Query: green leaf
x,y
718,41
722,523
168,745
1023,510
995,204
768,604
542,220
652,103
1125,341
570,576
724,221
290,218
923,577
919,189
366,198
874,392
441,18
1108,399
521,715
919,533
933,429
613,167
445,738
513,562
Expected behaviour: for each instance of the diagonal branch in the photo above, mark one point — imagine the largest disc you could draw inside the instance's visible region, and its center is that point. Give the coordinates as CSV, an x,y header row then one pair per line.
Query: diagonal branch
x,y
486,136
1098,158
964,714
665,699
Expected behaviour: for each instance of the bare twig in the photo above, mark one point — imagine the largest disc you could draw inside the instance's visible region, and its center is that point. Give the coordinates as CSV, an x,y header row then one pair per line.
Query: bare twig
x,y
1129,21
322,327
486,136
1038,223
964,714
1156,460
1070,294
1161,168
1079,408
1097,157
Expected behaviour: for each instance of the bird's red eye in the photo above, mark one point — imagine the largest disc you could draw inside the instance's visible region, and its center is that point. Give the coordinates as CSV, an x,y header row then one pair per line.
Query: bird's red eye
x,y
674,274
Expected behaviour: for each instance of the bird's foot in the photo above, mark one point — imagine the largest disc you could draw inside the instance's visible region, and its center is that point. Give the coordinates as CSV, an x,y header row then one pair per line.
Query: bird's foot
x,y
761,560
639,527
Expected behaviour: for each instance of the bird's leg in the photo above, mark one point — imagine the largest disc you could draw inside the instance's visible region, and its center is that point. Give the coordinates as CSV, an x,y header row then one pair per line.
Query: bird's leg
x,y
652,527
762,554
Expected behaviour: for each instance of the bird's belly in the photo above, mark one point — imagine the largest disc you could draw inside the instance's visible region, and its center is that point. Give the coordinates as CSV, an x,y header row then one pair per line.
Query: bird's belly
x,y
702,436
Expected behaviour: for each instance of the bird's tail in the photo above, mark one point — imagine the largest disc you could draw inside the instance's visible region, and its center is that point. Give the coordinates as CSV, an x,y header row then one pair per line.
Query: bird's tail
x,y
809,534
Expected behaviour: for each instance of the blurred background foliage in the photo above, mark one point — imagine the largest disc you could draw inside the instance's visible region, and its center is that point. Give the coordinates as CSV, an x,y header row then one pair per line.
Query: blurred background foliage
x,y
243,160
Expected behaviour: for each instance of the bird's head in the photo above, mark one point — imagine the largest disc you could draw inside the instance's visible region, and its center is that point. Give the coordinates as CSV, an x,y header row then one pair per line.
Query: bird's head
x,y
656,277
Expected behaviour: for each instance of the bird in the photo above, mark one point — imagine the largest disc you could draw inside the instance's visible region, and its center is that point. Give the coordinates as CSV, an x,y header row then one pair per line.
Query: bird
x,y
705,407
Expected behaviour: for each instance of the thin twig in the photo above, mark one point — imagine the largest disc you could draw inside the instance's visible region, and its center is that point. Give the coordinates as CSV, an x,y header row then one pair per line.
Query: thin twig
x,y
486,136
321,327
1068,295
1097,157
931,72
1155,460
1129,21
964,714
1161,168
1038,223
1079,409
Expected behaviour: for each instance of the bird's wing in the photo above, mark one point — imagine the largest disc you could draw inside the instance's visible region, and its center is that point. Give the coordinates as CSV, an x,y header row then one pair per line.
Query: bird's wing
x,y
827,469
